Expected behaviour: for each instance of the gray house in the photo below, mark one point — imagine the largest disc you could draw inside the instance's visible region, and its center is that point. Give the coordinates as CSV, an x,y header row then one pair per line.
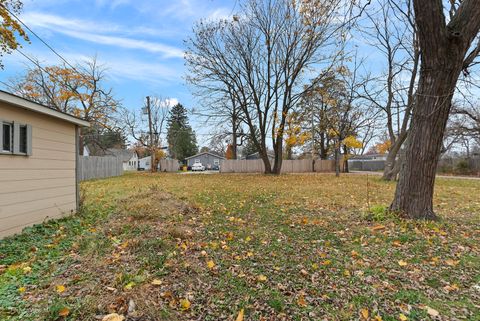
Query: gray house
x,y
207,159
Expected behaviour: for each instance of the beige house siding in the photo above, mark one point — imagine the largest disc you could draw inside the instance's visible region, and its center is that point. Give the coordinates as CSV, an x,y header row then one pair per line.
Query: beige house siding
x,y
41,186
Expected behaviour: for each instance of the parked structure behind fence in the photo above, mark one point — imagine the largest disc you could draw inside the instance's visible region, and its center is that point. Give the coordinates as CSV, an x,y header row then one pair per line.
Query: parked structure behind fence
x,y
288,166
366,165
90,167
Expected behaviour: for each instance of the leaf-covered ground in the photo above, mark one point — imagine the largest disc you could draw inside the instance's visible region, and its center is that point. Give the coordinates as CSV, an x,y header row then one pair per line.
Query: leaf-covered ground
x,y
206,247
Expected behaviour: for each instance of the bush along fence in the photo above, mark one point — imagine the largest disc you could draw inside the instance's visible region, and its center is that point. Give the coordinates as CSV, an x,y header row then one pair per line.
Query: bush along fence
x,y
90,167
288,166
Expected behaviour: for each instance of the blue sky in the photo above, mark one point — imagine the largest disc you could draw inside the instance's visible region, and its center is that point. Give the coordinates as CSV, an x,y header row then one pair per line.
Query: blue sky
x,y
140,42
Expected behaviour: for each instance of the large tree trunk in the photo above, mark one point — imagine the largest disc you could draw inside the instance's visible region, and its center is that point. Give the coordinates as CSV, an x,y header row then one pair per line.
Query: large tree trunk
x,y
277,165
444,47
414,193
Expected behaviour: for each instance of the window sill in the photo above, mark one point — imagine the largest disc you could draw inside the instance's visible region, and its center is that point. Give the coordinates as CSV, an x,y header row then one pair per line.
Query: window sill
x,y
12,154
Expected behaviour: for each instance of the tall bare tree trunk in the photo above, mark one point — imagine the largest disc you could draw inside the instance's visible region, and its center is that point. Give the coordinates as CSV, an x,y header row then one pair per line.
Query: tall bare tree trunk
x,y
392,163
444,55
414,194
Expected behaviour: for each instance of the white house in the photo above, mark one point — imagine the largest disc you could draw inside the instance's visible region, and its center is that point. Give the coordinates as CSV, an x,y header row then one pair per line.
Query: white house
x,y
129,158
145,163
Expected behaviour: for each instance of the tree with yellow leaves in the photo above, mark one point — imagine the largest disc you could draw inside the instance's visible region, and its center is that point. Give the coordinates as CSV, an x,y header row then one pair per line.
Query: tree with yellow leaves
x,y
10,28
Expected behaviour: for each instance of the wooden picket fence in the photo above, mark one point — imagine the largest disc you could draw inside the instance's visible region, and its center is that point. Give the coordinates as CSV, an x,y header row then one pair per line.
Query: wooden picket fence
x,y
91,167
288,166
169,165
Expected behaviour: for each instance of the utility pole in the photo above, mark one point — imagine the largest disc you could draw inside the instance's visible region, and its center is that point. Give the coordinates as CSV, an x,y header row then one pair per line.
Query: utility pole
x,y
152,147
313,134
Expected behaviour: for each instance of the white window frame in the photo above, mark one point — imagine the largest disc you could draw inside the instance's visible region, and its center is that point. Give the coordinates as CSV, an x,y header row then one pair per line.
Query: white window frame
x,y
216,162
5,151
197,161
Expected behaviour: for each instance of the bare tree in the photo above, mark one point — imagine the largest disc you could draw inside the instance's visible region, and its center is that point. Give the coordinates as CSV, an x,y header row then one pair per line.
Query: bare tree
x,y
138,126
446,50
262,56
391,30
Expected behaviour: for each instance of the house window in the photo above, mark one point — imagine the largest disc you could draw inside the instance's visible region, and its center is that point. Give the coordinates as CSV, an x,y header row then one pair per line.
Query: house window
x,y
216,162
15,138
197,161
7,135
23,140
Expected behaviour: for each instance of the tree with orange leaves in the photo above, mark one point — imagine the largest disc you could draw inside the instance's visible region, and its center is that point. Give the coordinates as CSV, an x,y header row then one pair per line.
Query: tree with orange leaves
x,y
10,29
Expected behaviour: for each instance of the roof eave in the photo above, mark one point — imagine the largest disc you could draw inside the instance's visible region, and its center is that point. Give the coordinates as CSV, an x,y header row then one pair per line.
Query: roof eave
x,y
41,109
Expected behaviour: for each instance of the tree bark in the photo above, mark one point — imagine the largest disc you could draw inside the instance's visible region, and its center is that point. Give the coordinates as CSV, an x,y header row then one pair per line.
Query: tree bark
x,y
414,193
444,48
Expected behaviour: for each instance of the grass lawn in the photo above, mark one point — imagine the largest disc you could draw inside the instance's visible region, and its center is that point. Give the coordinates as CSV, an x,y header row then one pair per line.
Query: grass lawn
x,y
204,247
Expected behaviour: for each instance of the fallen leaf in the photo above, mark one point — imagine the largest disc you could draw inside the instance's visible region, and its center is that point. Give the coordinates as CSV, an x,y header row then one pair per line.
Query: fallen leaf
x,y
240,315
27,269
402,317
378,318
365,314
378,227
262,278
402,263
432,312
210,264
301,301
129,286
113,317
185,304
64,312
451,262
60,288
22,289
156,282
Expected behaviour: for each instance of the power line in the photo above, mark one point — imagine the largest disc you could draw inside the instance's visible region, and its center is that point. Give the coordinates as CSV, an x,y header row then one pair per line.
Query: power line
x,y
39,38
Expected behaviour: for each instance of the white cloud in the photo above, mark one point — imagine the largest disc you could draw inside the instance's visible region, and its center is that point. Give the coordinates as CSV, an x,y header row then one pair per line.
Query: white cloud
x,y
100,33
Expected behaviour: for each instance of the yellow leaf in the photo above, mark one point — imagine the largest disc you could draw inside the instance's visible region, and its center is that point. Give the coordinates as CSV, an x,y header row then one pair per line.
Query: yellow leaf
x,y
326,262
240,315
402,263
301,301
315,266
402,317
185,304
113,317
60,288
397,243
364,313
248,239
64,312
129,286
210,264
346,273
27,269
156,282
22,289
262,278
378,318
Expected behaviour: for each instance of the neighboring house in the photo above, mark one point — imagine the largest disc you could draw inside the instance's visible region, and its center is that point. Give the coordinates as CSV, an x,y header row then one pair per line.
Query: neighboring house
x,y
38,162
207,159
145,163
129,158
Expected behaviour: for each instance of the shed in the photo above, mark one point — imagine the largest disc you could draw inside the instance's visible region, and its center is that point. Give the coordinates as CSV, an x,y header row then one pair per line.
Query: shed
x,y
207,159
38,163
129,158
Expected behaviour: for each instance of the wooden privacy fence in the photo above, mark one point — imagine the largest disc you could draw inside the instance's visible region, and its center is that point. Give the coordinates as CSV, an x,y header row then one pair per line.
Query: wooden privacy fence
x,y
90,167
288,166
168,165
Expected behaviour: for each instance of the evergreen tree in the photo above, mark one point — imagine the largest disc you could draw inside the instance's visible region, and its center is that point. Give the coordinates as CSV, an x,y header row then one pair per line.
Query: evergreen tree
x,y
180,135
